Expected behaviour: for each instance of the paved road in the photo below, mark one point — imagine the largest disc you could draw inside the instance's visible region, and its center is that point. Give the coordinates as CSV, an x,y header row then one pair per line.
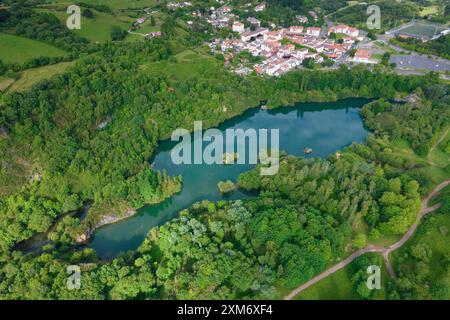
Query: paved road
x,y
371,248
416,61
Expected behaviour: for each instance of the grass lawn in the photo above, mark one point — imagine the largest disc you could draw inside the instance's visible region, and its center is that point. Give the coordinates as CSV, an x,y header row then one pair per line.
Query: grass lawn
x,y
5,82
147,27
99,27
187,63
422,29
338,286
438,155
134,37
381,45
30,77
115,4
17,49
445,193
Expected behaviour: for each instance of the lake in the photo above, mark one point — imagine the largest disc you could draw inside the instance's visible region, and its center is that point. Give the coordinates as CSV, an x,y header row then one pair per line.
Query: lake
x,y
323,127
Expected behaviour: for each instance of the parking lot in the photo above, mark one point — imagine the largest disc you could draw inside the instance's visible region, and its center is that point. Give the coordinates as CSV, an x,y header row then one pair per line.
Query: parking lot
x,y
420,63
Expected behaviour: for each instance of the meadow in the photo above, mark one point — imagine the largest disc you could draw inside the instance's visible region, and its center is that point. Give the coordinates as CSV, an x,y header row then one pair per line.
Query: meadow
x,y
29,77
19,49
421,29
114,4
98,28
338,286
184,65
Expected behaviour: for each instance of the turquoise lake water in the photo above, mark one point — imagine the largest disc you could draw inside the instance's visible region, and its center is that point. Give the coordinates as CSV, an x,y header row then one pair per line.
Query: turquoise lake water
x,y
323,127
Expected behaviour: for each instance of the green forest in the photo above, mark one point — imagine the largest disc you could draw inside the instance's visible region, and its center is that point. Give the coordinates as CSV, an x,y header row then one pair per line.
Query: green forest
x,y
439,47
302,221
84,139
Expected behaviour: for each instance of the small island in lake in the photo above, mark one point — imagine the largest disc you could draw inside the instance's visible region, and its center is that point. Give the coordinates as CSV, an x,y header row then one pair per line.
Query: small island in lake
x,y
226,186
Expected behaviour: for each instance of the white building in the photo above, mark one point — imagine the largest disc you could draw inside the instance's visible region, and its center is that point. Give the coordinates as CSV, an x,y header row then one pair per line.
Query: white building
x,y
302,19
344,29
248,35
260,7
296,29
362,55
238,27
313,31
254,21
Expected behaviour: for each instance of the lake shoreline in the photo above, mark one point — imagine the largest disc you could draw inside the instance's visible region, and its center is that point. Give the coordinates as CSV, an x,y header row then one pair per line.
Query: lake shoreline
x,y
140,227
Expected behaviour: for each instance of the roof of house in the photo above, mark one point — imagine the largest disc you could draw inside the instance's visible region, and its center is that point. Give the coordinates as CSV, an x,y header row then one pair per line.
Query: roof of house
x,y
363,54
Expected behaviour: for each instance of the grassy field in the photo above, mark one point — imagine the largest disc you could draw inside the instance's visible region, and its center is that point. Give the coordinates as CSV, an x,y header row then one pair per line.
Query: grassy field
x,y
17,49
338,286
146,27
438,155
5,82
114,4
187,63
422,29
30,77
97,28
335,287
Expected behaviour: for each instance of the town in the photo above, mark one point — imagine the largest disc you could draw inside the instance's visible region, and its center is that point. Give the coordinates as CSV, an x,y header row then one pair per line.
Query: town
x,y
281,50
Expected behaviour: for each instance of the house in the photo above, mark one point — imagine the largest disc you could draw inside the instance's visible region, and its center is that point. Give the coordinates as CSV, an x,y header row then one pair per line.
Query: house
x,y
314,15
302,19
153,34
260,7
238,27
254,21
313,31
259,69
318,47
352,32
413,98
348,40
141,20
225,9
296,29
342,28
310,55
362,55
272,36
318,58
301,53
249,35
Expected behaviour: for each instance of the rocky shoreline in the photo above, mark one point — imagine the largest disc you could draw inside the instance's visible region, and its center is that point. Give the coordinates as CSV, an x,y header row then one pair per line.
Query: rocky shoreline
x,y
107,219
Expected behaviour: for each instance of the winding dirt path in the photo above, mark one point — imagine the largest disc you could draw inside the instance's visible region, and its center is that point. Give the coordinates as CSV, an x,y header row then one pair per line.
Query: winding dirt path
x,y
385,251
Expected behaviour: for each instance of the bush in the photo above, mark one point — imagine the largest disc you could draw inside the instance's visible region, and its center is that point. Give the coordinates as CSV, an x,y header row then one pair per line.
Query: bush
x,y
117,33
